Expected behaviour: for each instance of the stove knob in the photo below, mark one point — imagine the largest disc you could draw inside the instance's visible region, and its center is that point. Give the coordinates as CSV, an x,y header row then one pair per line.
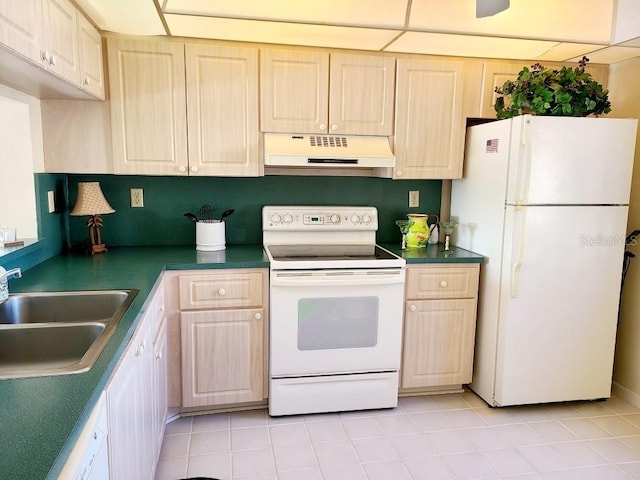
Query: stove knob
x,y
275,218
335,218
288,218
366,219
355,218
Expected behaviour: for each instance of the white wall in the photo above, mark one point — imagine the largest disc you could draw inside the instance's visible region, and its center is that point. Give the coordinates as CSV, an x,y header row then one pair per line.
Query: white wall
x,y
21,154
625,100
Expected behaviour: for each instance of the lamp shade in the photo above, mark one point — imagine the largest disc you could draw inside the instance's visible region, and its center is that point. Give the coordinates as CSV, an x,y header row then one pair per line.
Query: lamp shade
x,y
91,200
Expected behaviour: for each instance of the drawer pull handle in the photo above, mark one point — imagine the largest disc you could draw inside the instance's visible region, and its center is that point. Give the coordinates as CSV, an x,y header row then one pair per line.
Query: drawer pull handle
x,y
222,292
413,308
443,283
258,316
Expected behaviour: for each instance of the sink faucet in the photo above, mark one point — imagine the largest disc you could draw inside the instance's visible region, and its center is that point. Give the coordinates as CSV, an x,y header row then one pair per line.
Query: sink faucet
x,y
4,282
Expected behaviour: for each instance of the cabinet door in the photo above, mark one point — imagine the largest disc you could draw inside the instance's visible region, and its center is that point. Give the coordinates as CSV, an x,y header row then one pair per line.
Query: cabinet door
x,y
438,342
124,410
148,107
222,106
430,127
362,94
294,89
21,27
130,410
494,75
62,39
222,357
90,51
160,390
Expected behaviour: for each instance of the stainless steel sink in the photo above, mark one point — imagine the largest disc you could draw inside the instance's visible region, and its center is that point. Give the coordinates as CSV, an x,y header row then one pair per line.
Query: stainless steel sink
x,y
48,307
57,333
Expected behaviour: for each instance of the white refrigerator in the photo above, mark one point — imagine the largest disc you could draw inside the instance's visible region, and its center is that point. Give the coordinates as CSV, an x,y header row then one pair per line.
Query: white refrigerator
x,y
545,199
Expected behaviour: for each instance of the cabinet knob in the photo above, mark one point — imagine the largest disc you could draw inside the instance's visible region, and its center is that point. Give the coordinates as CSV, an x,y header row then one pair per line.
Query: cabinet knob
x,y
159,355
52,60
140,350
194,169
222,292
182,169
398,173
443,283
258,316
86,81
323,127
413,308
334,127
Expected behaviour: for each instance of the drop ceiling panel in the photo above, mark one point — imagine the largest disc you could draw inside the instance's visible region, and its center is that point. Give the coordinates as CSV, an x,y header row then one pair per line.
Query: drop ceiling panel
x,y
565,51
469,46
612,54
371,13
540,19
278,32
131,17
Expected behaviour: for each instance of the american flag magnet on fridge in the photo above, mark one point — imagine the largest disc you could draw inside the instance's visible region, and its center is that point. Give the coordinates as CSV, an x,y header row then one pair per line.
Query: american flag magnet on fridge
x,y
492,146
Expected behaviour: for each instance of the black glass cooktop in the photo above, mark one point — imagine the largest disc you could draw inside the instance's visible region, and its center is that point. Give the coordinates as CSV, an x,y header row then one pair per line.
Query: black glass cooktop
x,y
292,253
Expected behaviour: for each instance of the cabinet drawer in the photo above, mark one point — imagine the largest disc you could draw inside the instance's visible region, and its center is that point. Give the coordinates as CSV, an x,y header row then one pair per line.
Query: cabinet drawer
x,y
442,282
221,290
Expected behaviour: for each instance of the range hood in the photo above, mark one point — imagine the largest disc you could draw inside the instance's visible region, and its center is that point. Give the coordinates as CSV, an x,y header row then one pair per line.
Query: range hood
x,y
335,151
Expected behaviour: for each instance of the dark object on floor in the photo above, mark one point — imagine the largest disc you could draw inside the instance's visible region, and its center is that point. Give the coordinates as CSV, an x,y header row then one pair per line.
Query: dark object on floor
x,y
200,478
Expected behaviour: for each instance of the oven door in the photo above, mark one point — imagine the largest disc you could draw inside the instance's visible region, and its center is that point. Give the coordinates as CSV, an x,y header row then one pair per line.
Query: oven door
x,y
335,321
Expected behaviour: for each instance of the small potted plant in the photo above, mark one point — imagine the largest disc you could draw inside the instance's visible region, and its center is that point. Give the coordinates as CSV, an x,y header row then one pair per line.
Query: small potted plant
x,y
570,92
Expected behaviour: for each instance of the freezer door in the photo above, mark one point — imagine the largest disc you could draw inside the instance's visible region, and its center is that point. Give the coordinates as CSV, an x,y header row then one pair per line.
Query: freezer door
x,y
575,161
558,303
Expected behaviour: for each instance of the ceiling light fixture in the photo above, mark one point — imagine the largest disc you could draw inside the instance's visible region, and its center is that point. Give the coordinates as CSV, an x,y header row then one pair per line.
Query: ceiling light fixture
x,y
487,8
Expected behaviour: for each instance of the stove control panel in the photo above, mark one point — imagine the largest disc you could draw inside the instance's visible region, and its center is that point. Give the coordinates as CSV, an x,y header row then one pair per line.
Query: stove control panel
x,y
334,218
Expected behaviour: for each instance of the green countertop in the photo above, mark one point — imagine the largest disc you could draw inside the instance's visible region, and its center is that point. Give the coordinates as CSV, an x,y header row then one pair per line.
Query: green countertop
x,y
434,254
41,418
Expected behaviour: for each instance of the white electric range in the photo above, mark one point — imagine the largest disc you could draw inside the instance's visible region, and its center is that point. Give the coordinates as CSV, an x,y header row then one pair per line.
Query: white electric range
x,y
336,305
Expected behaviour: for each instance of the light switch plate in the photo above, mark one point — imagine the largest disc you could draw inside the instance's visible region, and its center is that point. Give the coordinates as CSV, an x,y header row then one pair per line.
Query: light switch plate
x,y
51,201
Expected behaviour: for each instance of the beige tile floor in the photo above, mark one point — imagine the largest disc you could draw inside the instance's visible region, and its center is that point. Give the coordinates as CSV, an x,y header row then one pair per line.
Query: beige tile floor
x,y
439,437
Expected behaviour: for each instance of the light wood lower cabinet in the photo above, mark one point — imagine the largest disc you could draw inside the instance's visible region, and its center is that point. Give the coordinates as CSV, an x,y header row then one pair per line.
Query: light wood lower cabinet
x,y
136,399
439,326
223,329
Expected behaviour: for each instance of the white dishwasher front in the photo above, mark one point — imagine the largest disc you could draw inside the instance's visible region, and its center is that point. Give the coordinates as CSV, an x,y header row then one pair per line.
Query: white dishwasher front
x,y
89,459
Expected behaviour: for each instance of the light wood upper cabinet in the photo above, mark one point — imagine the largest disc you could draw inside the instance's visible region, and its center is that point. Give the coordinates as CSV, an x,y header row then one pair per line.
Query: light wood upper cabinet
x,y
148,107
318,92
494,75
90,52
222,108
430,125
294,90
61,33
361,94
45,32
21,27
439,326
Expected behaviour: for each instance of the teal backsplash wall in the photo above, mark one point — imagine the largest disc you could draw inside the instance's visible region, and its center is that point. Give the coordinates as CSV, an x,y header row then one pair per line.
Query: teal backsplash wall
x,y
166,199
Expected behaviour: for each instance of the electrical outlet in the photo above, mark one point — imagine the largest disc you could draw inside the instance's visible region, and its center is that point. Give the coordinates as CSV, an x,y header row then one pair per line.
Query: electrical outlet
x,y
414,198
51,200
137,198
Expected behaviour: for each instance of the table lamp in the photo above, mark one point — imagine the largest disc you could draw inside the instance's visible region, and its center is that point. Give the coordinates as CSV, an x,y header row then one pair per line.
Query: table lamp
x,y
91,202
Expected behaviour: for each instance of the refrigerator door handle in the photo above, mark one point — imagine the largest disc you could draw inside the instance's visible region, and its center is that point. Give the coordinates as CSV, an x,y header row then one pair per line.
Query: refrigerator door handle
x,y
524,167
515,267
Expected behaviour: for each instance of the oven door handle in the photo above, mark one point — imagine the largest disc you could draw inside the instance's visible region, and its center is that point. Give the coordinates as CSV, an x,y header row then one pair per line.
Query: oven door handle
x,y
336,280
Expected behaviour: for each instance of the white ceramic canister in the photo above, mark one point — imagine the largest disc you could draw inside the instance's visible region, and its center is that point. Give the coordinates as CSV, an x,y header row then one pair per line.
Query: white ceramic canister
x,y
210,236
